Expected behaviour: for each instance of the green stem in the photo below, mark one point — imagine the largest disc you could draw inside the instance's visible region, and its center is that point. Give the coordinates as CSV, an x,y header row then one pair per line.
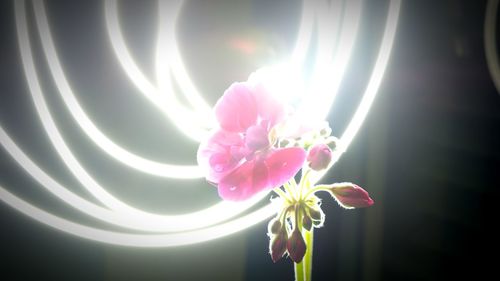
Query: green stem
x,y
305,178
281,193
317,188
299,271
289,190
309,235
299,267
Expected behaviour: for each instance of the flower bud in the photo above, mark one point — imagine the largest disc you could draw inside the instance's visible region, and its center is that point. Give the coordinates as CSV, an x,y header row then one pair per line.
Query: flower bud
x,y
332,142
315,214
326,131
296,246
278,246
349,195
317,224
319,157
307,223
274,226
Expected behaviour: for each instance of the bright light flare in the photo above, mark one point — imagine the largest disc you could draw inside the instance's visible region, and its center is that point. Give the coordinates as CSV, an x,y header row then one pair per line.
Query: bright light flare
x,y
285,81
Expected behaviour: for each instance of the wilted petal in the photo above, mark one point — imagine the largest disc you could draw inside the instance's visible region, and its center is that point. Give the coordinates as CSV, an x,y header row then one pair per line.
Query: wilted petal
x,y
283,164
245,181
350,195
236,110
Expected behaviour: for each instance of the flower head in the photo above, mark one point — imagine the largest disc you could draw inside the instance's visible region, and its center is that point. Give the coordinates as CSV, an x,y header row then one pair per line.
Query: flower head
x,y
240,156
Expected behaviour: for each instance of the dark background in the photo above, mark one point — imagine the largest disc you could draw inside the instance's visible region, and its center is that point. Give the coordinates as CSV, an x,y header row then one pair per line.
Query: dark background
x,y
428,154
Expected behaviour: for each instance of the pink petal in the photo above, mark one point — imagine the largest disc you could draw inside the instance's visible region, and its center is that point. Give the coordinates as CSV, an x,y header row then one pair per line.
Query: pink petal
x,y
257,138
236,109
216,155
283,164
268,107
245,181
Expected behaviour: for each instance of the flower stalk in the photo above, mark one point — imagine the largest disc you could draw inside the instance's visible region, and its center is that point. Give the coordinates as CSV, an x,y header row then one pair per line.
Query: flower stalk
x,y
260,144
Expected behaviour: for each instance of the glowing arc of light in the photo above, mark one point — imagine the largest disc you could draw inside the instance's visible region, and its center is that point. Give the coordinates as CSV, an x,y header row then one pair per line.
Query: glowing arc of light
x,y
223,209
165,224
375,79
490,48
191,123
86,124
227,228
135,240
304,34
329,68
338,63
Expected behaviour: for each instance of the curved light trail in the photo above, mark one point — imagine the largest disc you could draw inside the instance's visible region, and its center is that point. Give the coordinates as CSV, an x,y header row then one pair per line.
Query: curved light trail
x,y
490,42
218,212
198,229
86,124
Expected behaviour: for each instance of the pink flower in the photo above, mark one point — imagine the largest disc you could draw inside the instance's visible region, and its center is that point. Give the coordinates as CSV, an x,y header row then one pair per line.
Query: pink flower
x,y
240,156
349,195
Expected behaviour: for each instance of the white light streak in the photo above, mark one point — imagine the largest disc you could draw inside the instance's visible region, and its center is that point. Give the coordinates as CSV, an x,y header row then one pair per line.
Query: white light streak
x,y
203,225
191,123
163,223
375,79
86,124
216,213
305,32
330,67
490,42
333,73
136,240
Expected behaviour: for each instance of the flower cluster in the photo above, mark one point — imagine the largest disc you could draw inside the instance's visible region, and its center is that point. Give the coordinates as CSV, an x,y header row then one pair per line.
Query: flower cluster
x,y
241,157
300,212
253,150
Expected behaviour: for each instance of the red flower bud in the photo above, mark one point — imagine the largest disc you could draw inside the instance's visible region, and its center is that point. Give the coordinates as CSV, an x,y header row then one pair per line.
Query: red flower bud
x,y
307,223
278,246
349,195
296,246
319,157
316,214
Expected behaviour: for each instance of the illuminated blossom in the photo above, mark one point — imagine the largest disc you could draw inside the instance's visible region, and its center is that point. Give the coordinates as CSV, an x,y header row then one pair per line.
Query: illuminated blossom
x,y
240,156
